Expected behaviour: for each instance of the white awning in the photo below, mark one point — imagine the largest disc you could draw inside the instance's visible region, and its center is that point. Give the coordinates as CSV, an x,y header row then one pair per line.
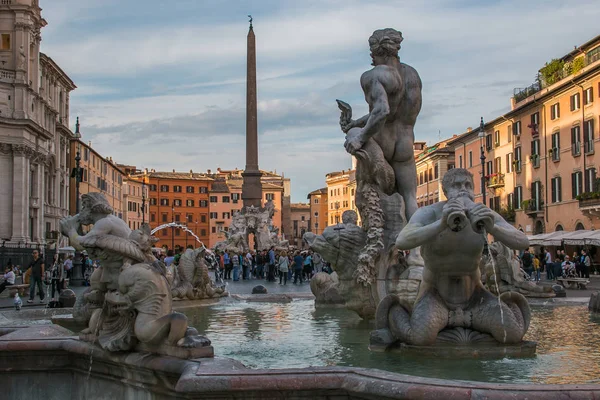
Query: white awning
x,y
576,238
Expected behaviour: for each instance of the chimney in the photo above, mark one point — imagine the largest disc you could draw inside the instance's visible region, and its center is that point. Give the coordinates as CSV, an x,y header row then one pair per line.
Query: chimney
x,y
469,129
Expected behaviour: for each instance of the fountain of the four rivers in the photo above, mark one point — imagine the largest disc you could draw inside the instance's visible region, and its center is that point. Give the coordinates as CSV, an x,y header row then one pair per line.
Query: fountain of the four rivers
x,y
424,326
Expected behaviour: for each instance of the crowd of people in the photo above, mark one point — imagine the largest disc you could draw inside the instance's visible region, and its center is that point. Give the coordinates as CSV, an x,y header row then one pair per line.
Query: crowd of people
x,y
271,265
47,281
561,265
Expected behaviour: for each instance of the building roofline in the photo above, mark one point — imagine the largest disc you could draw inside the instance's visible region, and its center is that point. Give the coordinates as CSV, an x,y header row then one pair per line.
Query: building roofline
x,y
49,60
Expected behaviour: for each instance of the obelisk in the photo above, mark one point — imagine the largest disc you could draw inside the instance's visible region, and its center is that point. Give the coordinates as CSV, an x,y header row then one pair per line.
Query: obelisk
x,y
251,186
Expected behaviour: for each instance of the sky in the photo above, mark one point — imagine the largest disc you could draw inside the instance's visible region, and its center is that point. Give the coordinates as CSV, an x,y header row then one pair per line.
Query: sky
x,y
161,84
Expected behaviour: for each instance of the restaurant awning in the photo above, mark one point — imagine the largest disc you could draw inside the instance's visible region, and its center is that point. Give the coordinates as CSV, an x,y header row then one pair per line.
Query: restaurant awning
x,y
576,238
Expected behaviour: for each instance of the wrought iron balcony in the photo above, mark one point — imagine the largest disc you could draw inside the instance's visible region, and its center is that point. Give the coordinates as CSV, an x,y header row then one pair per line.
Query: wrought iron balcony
x,y
495,180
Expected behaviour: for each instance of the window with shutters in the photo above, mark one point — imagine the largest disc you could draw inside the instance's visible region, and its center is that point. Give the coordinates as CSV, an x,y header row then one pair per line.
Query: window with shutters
x,y
177,218
214,215
509,133
203,203
518,160
576,184
235,197
177,189
495,203
190,217
164,217
575,102
189,189
576,141
535,153
489,168
510,200
518,197
509,163
556,184
213,199
470,159
536,196
164,188
488,142
590,180
189,203
436,174
203,218
177,203
517,128
555,111
588,96
498,165
460,165
203,189
164,202
588,136
497,138
555,146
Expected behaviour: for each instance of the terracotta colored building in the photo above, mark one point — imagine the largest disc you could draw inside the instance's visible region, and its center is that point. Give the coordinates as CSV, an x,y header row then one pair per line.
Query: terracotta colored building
x,y
226,199
301,213
99,174
318,211
540,164
181,197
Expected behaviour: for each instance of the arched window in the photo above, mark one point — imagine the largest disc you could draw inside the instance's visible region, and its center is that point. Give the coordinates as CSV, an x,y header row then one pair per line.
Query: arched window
x,y
579,227
559,228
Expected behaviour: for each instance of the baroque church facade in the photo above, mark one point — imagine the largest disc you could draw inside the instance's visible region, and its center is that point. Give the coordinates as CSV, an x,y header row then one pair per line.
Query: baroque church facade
x,y
34,130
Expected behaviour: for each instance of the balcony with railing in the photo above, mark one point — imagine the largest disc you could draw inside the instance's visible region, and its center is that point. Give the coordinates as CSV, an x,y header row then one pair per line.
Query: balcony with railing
x,y
554,72
495,181
7,75
535,160
533,207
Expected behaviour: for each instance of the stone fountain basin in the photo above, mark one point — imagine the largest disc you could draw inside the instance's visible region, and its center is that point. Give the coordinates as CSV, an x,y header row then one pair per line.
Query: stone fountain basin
x,y
49,362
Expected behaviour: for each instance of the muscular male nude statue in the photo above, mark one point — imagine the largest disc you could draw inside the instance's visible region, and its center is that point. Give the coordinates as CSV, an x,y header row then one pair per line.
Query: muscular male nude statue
x,y
393,91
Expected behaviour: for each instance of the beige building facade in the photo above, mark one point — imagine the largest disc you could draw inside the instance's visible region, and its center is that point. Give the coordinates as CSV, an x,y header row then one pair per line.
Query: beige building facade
x,y
135,202
34,130
318,210
432,163
540,168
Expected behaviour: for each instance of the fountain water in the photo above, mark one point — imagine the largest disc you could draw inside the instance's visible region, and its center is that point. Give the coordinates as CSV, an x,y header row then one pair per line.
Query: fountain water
x,y
491,258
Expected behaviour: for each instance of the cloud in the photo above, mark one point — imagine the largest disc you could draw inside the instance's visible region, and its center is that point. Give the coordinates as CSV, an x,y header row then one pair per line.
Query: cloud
x,y
167,90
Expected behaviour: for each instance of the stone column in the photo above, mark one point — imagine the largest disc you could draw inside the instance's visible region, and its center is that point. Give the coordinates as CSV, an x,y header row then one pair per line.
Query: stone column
x,y
251,187
20,199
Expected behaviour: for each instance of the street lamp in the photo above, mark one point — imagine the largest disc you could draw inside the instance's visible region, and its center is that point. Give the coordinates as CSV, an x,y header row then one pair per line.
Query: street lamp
x,y
481,140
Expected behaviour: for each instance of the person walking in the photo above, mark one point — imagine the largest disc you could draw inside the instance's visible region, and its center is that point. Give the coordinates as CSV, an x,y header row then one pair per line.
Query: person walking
x,y
308,267
272,261
586,264
235,266
549,265
228,264
37,272
284,267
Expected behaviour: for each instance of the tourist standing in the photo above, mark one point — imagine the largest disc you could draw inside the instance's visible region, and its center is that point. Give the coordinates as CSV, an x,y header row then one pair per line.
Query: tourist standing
x,y
68,266
228,264
284,267
298,264
271,273
549,265
586,263
37,272
527,260
57,277
308,268
235,266
536,267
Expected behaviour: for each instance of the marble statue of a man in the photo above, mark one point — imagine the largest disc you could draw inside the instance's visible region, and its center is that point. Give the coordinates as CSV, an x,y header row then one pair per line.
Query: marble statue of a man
x,y
393,91
452,236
